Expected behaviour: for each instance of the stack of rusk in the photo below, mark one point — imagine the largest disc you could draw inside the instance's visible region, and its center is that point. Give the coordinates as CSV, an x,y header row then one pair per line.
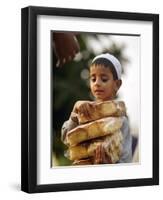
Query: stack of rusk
x,y
103,128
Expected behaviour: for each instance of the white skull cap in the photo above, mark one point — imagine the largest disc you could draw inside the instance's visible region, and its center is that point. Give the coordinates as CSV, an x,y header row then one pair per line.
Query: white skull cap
x,y
113,60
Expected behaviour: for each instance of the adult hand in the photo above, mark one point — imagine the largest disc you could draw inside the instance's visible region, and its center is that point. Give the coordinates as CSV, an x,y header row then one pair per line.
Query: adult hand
x,y
66,47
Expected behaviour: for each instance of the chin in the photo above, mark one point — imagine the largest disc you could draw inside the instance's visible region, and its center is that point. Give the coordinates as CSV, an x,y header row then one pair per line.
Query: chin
x,y
103,99
100,99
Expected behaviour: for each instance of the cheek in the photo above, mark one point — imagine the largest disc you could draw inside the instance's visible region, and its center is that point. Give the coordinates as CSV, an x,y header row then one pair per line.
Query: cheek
x,y
91,87
109,88
90,84
107,85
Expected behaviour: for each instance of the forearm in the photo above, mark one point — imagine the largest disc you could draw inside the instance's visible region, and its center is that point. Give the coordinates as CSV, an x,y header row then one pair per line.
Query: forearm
x,y
126,155
67,126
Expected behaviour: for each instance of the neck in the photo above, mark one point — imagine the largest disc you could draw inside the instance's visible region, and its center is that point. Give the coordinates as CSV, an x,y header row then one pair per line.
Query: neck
x,y
108,99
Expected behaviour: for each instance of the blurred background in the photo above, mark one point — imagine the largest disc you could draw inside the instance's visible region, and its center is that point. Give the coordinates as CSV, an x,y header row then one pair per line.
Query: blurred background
x,y
71,83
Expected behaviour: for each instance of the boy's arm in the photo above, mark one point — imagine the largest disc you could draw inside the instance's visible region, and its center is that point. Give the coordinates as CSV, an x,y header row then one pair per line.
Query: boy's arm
x,y
68,125
80,106
126,155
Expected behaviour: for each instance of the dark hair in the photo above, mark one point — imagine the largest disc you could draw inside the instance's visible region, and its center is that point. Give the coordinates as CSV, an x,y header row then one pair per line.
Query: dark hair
x,y
106,63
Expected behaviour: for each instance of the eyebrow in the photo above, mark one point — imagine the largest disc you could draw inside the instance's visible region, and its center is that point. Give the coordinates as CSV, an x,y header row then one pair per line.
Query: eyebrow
x,y
100,75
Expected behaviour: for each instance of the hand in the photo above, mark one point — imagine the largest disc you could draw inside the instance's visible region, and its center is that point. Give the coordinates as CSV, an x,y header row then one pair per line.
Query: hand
x,y
85,108
74,117
100,156
66,47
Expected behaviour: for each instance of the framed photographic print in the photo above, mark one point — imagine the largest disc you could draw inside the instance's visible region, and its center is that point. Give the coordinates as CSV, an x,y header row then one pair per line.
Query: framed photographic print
x,y
90,99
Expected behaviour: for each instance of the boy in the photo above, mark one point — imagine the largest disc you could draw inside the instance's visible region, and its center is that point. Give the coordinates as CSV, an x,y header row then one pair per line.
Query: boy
x,y
105,81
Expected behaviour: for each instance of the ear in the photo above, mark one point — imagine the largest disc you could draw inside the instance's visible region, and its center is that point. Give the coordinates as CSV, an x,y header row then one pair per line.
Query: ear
x,y
118,84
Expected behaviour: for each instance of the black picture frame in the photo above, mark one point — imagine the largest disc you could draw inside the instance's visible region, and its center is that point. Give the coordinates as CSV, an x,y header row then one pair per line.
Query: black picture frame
x,y
29,98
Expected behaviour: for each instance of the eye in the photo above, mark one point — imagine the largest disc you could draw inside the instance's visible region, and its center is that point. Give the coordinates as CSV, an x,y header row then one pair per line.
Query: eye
x,y
93,79
104,79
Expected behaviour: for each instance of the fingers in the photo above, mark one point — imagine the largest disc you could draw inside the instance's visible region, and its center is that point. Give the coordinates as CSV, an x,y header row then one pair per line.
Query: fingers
x,y
100,156
60,62
63,59
86,109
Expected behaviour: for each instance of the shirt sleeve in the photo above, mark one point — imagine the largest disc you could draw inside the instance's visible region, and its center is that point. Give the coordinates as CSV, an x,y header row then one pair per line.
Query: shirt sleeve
x,y
67,126
126,155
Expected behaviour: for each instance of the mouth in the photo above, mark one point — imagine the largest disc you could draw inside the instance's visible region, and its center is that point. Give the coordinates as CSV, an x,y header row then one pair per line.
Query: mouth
x,y
99,91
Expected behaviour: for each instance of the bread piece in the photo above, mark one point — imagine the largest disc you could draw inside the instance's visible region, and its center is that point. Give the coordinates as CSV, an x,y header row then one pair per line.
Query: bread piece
x,y
87,161
92,130
84,150
111,143
113,146
104,109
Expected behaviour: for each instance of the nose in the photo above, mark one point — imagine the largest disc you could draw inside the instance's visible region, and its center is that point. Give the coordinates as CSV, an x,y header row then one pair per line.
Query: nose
x,y
98,82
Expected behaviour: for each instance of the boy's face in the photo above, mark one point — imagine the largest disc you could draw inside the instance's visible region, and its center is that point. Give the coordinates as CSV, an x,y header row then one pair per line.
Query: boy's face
x,y
102,84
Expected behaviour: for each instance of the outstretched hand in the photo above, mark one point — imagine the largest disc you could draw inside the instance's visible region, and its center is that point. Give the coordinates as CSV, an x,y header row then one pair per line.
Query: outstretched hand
x,y
66,47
